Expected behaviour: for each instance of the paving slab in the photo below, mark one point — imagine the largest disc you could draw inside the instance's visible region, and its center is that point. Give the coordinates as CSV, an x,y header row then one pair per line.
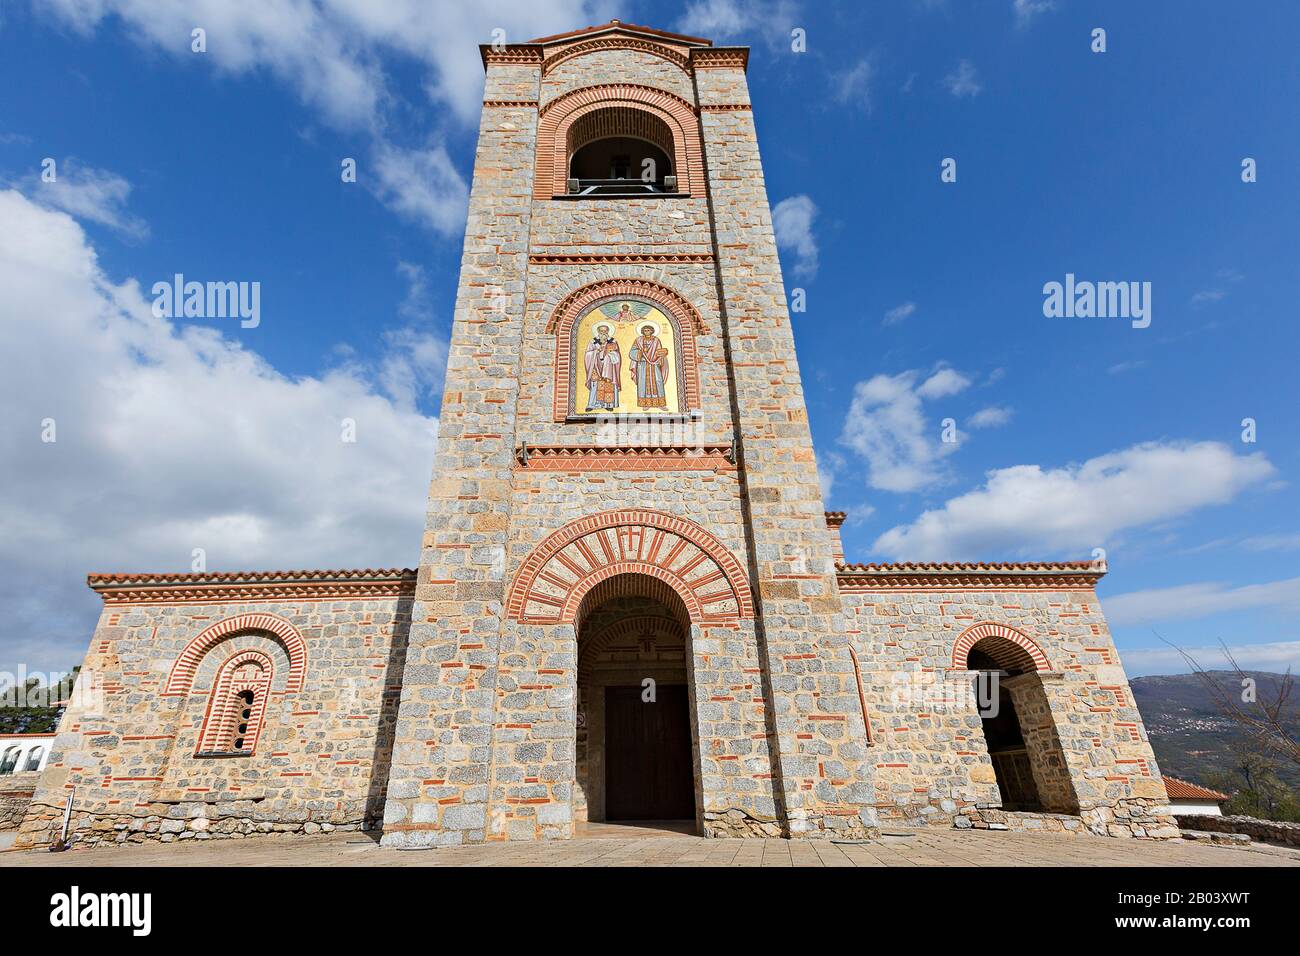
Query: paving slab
x,y
626,846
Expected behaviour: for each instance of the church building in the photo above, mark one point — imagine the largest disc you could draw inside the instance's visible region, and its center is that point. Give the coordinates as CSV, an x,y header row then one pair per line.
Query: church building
x,y
631,603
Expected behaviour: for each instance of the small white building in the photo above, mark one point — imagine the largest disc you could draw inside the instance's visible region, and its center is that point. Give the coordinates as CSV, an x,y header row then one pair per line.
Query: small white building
x,y
24,753
1189,799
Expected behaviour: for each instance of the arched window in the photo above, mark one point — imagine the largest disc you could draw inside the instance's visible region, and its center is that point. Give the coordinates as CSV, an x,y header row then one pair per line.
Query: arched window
x,y
10,760
34,758
237,706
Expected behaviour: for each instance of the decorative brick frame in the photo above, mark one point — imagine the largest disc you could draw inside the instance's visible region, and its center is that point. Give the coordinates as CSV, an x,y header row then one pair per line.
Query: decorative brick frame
x,y
556,117
1030,657
639,536
686,320
644,458
182,674
223,711
660,50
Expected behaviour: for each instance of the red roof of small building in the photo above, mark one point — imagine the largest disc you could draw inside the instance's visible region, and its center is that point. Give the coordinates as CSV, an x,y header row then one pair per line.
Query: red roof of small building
x,y
1182,790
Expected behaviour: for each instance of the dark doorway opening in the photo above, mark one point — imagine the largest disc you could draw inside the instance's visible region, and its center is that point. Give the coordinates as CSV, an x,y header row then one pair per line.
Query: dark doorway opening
x,y
1010,756
1029,763
635,745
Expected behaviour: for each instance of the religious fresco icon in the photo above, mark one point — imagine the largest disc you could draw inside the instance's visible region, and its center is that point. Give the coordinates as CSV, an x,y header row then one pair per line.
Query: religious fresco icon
x,y
625,360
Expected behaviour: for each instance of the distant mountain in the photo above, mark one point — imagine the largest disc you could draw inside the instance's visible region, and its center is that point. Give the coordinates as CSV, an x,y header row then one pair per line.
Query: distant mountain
x,y
1190,735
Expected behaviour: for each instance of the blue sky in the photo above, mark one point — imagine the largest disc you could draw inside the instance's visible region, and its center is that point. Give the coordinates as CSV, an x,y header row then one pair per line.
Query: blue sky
x,y
924,298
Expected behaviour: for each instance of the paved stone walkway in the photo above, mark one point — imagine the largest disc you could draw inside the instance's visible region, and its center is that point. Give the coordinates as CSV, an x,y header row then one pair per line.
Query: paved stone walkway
x,y
627,846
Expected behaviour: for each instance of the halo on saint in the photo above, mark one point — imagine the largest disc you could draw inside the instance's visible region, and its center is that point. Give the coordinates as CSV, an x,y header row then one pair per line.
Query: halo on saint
x,y
648,325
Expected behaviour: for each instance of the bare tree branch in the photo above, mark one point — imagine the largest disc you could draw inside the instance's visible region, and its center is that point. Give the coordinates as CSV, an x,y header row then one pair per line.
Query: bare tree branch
x,y
1264,720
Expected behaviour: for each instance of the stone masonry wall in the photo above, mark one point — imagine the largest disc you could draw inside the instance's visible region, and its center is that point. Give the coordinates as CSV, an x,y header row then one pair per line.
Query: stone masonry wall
x,y
823,773
615,66
932,765
438,792
15,796
533,754
126,751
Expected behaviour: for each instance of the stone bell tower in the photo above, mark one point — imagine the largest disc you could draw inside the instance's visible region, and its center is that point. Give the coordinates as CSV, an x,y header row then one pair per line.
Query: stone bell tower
x,y
626,605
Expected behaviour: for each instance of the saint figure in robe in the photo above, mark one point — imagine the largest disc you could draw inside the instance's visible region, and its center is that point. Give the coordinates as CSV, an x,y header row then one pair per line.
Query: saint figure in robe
x,y
603,362
648,365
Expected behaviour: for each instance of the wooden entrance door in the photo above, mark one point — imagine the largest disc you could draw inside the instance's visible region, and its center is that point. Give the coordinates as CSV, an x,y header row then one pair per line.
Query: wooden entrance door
x,y
648,755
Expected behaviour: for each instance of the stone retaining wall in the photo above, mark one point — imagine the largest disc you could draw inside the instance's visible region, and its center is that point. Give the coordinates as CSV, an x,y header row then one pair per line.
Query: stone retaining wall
x,y
1143,819
1272,831
168,823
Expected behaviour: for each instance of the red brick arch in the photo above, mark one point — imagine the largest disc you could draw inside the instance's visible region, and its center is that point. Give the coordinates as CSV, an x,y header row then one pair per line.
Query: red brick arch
x,y
562,569
1025,654
685,317
557,116
182,674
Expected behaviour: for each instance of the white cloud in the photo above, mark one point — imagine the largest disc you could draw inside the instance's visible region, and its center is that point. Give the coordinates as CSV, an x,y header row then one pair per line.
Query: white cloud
x,y
87,193
992,417
302,44
792,219
944,382
828,467
414,365
1026,10
1119,368
898,313
1207,296
725,21
173,437
1276,657
854,84
1273,542
1203,599
858,514
887,426
964,80
421,185
331,53
1028,510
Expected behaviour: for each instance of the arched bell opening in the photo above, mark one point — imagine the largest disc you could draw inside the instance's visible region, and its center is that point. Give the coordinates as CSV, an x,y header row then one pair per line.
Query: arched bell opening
x,y
620,151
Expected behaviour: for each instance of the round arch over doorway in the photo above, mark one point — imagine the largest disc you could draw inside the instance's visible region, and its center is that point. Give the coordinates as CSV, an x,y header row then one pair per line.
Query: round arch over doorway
x,y
1014,649
558,574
